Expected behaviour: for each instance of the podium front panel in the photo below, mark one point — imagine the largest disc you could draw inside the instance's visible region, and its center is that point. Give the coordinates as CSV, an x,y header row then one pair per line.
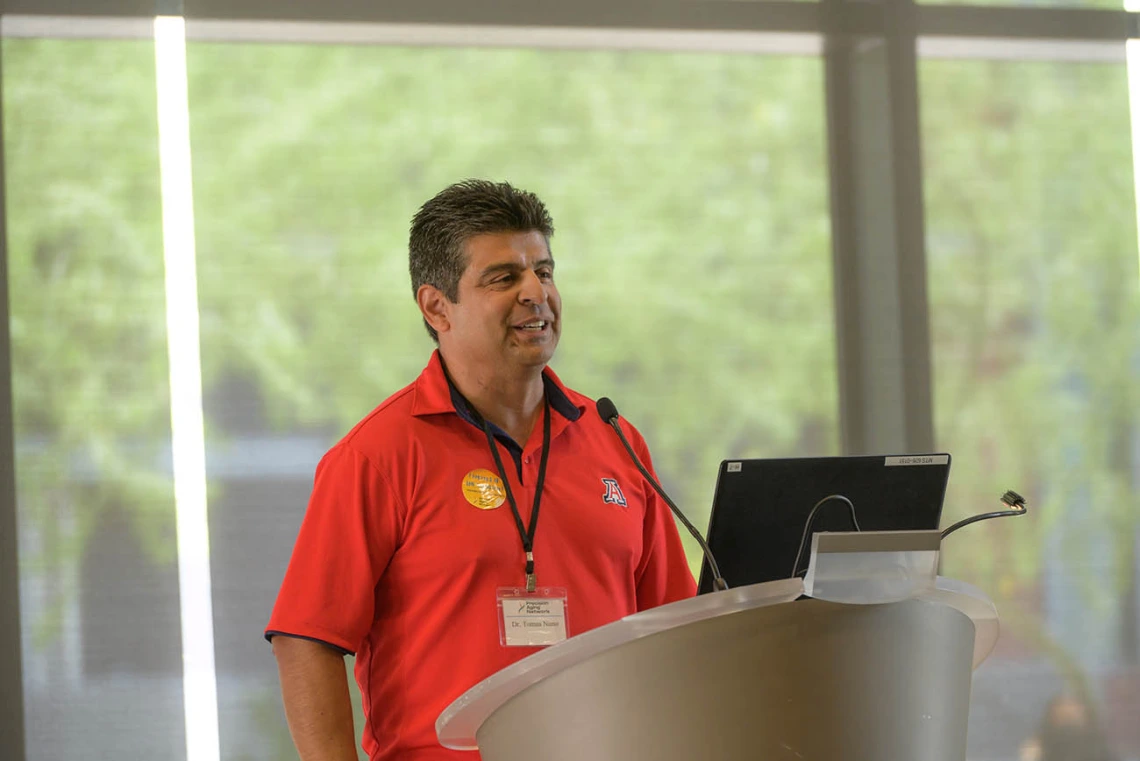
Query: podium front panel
x,y
808,680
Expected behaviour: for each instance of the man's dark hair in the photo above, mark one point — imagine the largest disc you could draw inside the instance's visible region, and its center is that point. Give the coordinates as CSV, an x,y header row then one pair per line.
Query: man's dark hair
x,y
459,212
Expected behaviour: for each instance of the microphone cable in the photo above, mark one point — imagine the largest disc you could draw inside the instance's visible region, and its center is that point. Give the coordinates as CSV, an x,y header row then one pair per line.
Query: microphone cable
x,y
607,411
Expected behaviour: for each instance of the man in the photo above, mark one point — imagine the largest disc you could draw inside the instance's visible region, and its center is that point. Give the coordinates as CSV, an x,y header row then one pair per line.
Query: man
x,y
422,526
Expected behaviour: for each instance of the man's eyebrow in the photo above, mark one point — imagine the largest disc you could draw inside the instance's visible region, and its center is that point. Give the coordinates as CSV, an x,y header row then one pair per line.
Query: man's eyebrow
x,y
495,269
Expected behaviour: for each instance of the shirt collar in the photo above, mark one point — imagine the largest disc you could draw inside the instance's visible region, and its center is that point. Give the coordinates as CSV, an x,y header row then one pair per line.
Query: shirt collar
x,y
435,394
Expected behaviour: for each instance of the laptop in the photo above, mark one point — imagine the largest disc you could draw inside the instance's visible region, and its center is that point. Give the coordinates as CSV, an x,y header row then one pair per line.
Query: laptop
x,y
760,507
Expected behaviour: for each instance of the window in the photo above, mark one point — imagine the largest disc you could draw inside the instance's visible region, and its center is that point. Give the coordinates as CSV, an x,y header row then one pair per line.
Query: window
x,y
99,583
1035,322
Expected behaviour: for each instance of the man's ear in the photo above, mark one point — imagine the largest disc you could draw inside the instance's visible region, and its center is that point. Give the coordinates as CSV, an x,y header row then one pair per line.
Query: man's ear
x,y
433,305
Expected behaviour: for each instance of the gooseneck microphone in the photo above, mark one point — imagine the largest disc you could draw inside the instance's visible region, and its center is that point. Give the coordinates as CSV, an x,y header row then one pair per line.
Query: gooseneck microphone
x,y
607,410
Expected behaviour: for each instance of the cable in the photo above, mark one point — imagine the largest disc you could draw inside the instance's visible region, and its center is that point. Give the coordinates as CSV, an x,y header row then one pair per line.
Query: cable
x,y
1014,501
719,584
808,522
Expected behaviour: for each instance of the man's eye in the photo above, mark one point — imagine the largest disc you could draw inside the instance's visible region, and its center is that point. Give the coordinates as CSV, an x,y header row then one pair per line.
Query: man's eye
x,y
546,275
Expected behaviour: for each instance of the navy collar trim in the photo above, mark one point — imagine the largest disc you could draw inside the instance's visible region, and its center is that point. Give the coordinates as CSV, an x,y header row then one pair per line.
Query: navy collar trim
x,y
559,402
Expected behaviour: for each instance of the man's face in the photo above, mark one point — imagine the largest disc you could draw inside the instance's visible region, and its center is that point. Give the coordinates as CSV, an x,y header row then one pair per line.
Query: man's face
x,y
509,312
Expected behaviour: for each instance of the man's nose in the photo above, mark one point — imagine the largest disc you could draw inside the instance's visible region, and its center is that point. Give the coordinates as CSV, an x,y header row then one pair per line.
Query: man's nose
x,y
532,290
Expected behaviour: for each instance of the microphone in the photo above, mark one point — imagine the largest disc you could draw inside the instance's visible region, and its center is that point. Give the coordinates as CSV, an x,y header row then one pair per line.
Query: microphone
x,y
607,411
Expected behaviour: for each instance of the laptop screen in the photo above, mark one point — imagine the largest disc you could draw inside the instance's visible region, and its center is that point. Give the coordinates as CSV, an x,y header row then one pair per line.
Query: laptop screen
x,y
760,507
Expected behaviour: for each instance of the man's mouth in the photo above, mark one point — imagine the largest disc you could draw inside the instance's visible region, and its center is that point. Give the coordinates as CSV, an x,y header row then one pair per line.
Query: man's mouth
x,y
534,326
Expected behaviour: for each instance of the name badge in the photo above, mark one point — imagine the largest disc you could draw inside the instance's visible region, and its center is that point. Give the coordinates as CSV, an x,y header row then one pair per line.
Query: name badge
x,y
532,619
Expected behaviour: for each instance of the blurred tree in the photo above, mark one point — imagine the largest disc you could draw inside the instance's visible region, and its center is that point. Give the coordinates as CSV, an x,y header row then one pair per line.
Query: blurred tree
x,y
87,323
689,195
1035,298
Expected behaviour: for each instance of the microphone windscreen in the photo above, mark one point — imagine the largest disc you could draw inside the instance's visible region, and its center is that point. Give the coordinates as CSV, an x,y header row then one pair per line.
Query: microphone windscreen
x,y
607,409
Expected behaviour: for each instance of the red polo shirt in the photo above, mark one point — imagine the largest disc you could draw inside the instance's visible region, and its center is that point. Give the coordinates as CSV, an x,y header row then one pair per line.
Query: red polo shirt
x,y
395,564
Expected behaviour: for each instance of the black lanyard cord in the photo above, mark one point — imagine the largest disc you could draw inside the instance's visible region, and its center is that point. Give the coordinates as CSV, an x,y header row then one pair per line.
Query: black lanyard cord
x,y
525,533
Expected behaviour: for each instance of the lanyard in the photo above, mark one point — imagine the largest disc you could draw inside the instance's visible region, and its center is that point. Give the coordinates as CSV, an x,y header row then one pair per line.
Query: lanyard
x,y
525,533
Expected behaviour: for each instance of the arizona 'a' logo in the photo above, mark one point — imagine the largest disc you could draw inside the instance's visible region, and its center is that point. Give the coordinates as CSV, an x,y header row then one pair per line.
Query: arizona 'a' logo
x,y
613,495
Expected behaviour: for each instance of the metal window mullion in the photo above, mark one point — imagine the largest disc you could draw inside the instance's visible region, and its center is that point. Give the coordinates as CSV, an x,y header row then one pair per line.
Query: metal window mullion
x,y
910,225
11,658
882,338
729,15
1025,22
848,326
994,21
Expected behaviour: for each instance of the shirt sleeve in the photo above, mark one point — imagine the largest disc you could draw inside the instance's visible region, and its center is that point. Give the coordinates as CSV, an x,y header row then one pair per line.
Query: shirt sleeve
x,y
664,575
350,530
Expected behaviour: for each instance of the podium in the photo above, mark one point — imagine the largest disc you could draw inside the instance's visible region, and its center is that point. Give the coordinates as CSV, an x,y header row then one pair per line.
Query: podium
x,y
753,673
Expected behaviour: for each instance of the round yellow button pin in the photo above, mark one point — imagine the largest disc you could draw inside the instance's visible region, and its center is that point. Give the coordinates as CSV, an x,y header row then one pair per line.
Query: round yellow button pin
x,y
484,489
